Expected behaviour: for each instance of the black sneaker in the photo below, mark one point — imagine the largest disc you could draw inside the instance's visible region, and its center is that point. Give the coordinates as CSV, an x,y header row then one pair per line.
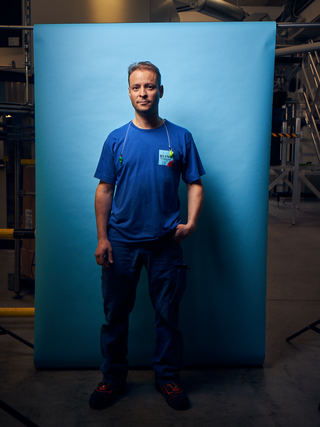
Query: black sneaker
x,y
105,395
174,395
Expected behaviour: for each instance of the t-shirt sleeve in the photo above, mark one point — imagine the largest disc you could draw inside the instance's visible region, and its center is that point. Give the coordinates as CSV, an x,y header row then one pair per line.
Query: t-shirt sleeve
x,y
192,168
105,170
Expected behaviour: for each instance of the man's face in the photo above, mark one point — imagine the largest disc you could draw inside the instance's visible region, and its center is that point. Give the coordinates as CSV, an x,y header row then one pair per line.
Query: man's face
x,y
144,91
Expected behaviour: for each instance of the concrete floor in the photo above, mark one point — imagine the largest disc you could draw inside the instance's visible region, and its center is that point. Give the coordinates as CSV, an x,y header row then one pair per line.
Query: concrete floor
x,y
286,392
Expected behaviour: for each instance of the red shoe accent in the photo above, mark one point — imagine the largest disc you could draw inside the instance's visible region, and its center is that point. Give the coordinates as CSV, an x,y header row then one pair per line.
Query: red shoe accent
x,y
105,388
174,395
172,388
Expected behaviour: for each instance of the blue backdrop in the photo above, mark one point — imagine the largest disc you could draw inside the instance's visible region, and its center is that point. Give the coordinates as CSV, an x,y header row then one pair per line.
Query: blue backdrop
x,y
218,80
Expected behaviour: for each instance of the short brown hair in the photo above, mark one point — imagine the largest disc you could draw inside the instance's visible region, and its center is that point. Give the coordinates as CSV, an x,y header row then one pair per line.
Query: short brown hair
x,y
144,65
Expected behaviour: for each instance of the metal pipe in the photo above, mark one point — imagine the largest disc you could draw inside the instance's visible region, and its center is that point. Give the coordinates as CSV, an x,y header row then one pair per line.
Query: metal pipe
x,y
311,187
315,71
308,121
219,9
16,27
16,311
305,75
17,242
315,130
297,48
314,140
285,25
27,41
26,65
280,25
296,183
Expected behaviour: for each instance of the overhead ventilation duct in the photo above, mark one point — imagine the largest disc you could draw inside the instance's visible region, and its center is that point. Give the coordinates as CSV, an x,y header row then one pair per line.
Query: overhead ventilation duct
x,y
309,11
262,16
219,9
163,11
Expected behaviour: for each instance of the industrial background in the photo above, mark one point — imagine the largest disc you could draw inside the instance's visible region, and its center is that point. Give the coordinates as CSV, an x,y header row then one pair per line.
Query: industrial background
x,y
286,390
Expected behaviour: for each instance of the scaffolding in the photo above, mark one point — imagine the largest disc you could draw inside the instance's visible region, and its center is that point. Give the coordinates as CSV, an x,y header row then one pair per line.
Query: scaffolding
x,y
293,173
17,137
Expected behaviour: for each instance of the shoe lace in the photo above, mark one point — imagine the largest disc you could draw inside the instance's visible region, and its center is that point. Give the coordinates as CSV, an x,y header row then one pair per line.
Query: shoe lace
x,y
172,388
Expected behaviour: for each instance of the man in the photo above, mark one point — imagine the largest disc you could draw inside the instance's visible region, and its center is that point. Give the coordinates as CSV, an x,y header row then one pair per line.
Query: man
x,y
138,224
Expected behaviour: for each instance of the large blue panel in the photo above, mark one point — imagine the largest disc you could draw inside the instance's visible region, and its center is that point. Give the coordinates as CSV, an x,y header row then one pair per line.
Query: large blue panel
x,y
218,80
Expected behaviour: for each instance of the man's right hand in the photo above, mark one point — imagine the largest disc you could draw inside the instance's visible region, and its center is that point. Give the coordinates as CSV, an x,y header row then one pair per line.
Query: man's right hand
x,y
103,253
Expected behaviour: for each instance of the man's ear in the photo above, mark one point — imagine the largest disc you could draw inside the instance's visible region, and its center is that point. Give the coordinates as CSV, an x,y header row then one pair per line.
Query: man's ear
x,y
161,91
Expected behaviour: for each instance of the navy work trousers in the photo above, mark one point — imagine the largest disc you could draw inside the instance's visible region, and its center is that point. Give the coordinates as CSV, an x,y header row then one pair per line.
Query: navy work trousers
x,y
166,275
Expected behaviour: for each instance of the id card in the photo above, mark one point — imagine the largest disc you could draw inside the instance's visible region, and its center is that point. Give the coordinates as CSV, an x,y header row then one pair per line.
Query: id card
x,y
164,158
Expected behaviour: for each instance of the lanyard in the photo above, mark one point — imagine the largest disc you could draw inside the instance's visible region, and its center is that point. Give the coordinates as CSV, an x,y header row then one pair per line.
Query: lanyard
x,y
125,140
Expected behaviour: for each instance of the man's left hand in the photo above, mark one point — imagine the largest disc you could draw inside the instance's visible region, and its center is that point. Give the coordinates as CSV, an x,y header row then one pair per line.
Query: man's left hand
x,y
183,231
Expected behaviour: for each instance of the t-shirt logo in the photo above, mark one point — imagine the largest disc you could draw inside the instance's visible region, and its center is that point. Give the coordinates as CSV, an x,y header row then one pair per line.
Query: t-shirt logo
x,y
165,159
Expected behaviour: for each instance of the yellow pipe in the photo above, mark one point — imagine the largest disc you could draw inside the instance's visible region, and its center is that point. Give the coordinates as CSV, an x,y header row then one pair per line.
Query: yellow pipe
x,y
16,311
23,162
10,233
28,162
6,233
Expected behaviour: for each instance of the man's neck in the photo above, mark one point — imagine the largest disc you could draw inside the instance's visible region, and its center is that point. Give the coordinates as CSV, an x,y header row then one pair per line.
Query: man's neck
x,y
147,122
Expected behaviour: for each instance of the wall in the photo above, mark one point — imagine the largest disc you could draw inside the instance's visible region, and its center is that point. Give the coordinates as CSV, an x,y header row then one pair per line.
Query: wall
x,y
83,11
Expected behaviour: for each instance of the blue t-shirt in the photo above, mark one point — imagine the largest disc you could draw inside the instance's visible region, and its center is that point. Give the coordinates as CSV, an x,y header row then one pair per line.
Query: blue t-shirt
x,y
145,204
